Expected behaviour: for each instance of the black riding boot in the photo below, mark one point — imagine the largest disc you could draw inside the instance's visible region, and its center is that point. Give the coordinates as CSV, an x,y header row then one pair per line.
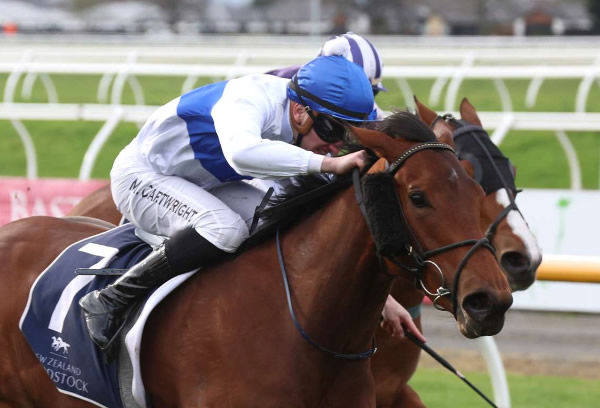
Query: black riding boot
x,y
104,310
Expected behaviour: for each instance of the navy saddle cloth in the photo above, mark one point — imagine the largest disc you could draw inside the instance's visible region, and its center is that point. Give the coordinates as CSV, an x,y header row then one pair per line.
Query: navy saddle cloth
x,y
53,324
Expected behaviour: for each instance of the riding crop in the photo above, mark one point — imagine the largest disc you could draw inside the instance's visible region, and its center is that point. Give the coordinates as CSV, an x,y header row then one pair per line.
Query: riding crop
x,y
446,364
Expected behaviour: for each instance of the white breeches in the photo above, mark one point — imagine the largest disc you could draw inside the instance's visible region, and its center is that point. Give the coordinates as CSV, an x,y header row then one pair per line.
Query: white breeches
x,y
163,205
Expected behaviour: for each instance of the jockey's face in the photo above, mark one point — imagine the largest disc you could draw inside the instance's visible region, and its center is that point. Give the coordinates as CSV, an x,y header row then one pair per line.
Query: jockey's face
x,y
303,124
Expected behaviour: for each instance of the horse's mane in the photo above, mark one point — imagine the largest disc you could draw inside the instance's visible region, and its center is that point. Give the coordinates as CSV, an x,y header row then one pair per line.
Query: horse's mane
x,y
303,195
406,125
400,124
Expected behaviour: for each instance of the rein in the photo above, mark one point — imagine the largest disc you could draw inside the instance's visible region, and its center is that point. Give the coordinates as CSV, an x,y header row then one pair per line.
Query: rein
x,y
334,354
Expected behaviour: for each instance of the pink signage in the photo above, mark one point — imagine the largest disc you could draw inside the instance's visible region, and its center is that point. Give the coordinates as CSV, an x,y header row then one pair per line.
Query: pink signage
x,y
20,197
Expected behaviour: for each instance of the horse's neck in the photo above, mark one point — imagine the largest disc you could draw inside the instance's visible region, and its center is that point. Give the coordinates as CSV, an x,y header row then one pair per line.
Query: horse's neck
x,y
334,273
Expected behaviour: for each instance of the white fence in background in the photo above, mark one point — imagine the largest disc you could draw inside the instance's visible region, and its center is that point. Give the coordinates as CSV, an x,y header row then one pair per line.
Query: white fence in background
x,y
448,65
113,114
447,61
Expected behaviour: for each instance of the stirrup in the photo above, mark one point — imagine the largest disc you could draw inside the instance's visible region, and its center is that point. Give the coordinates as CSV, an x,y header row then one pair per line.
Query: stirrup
x,y
113,346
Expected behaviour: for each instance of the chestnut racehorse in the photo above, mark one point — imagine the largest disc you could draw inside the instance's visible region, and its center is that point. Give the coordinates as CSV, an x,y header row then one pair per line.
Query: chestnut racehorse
x,y
516,250
225,338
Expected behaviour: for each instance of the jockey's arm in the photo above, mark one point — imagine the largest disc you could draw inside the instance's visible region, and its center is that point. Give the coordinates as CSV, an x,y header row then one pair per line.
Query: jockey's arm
x,y
239,118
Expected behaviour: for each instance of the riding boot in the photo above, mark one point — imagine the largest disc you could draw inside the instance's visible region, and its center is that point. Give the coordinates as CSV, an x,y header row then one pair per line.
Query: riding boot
x,y
105,310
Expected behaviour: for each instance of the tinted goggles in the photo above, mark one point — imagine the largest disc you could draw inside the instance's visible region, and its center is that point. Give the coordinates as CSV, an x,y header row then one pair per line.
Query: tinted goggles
x,y
327,128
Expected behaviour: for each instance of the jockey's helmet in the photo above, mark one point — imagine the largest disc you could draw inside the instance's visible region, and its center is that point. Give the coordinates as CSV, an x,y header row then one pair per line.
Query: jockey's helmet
x,y
359,50
334,86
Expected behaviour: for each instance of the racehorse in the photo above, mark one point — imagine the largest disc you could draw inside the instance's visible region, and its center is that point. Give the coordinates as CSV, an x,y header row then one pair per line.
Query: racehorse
x,y
516,251
225,337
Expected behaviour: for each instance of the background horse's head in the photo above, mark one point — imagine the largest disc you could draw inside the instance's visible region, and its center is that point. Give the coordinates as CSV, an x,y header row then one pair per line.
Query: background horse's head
x,y
516,247
439,206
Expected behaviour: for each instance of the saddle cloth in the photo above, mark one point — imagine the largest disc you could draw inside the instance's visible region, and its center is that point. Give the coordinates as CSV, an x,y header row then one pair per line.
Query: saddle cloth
x,y
53,325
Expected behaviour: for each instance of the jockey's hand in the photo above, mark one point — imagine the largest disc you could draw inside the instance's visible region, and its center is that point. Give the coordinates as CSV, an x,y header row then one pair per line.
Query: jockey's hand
x,y
396,319
344,164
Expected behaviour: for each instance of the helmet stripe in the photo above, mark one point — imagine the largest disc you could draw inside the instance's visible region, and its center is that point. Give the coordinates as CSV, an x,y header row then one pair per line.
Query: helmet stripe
x,y
377,62
357,57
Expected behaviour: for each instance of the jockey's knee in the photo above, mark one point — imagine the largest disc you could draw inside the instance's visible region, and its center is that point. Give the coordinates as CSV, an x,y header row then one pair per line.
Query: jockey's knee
x,y
227,236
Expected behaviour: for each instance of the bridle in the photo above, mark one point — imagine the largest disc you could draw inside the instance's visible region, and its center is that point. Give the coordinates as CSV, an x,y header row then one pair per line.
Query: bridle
x,y
412,248
421,258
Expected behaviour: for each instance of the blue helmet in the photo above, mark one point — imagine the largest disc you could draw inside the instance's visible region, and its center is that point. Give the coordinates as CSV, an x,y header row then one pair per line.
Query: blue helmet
x,y
334,86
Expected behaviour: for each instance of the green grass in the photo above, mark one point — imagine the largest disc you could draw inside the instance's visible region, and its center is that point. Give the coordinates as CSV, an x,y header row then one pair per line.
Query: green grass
x,y
441,389
540,160
60,147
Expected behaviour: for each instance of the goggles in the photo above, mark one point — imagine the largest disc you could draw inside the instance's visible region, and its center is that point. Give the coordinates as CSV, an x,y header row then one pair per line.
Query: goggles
x,y
327,128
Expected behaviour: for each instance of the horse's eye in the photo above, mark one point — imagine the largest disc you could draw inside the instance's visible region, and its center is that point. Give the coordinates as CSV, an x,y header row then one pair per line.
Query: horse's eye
x,y
419,199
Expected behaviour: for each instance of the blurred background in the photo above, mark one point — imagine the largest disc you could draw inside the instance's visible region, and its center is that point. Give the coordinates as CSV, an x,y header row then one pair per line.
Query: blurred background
x,y
315,17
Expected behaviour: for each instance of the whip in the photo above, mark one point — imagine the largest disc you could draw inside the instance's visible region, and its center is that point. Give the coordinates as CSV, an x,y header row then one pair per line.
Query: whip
x,y
446,364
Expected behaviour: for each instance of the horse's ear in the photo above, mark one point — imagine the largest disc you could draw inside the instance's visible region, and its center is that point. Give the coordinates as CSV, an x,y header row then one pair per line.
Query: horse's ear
x,y
372,139
443,132
379,167
424,113
468,112
468,166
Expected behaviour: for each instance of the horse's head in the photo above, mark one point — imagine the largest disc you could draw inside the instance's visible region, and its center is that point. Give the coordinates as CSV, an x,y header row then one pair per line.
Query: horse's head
x,y
516,247
440,238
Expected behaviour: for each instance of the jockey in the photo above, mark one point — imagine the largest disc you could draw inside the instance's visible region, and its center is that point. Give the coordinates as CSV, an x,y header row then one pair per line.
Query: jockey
x,y
257,126
355,48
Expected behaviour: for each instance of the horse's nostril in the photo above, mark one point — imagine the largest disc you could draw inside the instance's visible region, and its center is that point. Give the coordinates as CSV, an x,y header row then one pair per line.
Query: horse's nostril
x,y
515,263
478,305
484,306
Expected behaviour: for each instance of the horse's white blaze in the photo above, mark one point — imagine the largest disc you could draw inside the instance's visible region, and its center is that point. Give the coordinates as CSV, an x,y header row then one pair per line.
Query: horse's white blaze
x,y
519,227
